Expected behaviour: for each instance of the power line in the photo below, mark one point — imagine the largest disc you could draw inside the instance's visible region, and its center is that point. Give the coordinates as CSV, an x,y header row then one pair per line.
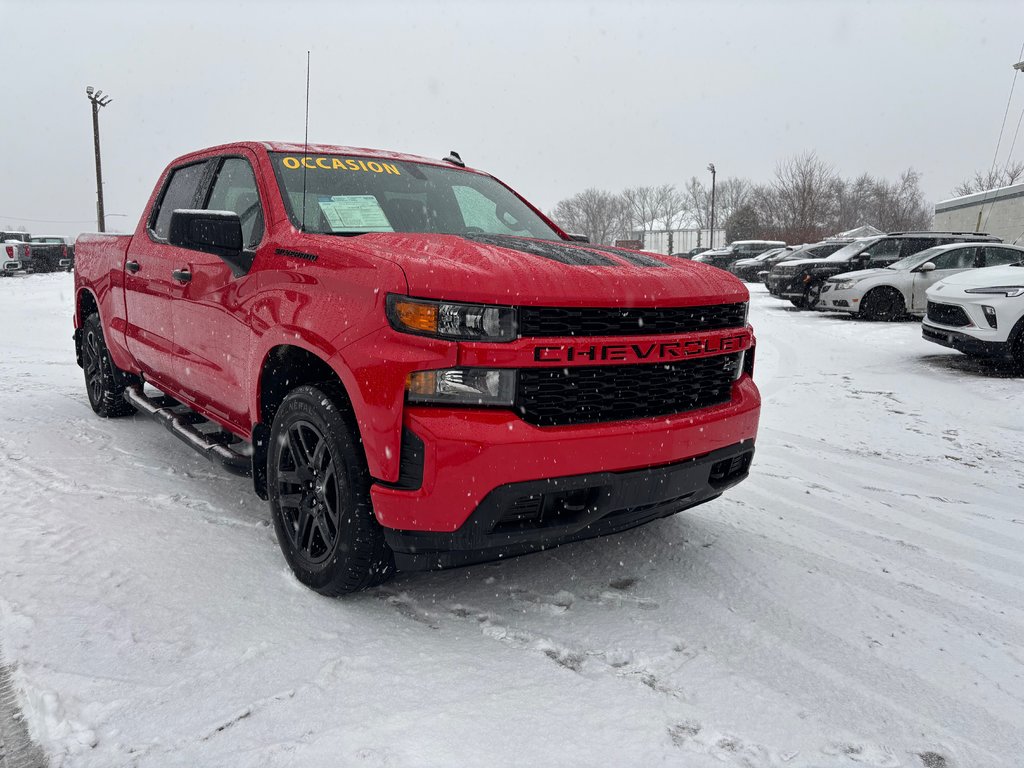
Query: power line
x,y
1013,83
55,221
1013,143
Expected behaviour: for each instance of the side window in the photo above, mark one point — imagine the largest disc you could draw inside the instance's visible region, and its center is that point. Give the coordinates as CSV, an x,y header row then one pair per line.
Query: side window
x,y
1000,257
235,190
887,250
180,192
958,258
912,245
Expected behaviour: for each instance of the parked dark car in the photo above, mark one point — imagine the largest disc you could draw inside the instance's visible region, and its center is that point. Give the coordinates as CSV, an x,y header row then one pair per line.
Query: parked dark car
x,y
800,252
801,281
690,253
748,269
723,258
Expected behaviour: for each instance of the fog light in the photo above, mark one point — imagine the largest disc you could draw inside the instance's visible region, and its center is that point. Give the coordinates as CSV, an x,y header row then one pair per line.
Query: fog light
x,y
990,315
463,386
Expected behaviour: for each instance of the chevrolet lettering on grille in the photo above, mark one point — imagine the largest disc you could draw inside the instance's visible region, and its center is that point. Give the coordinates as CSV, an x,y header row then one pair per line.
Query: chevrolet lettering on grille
x,y
654,351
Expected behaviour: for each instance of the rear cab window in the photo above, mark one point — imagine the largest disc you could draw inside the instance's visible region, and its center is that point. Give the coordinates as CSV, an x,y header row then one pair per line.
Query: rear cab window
x,y
180,191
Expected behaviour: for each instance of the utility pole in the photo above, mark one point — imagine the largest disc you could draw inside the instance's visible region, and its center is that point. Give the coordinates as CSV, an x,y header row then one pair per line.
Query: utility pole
x,y
97,99
711,238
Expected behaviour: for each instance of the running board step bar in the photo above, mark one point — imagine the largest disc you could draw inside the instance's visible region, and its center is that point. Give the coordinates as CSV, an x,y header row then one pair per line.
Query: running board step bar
x,y
181,421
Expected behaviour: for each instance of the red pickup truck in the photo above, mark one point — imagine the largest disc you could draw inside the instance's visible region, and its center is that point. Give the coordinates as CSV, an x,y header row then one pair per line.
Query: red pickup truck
x,y
417,368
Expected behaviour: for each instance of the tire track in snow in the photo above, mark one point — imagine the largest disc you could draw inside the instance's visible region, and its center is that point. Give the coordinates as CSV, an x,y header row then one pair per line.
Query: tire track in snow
x,y
17,750
754,616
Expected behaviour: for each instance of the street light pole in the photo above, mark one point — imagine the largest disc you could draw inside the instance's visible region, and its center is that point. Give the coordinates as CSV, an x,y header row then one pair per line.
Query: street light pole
x,y
711,239
97,99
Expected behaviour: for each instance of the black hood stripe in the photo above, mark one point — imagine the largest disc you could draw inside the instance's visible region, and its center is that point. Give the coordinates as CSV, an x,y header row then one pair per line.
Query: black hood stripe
x,y
634,258
577,257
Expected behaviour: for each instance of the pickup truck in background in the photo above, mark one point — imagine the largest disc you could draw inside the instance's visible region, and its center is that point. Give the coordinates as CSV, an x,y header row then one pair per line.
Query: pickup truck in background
x,y
13,256
51,254
417,368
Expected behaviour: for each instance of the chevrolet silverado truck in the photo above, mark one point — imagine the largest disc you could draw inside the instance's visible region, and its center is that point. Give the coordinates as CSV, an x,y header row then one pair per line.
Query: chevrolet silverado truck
x,y
417,368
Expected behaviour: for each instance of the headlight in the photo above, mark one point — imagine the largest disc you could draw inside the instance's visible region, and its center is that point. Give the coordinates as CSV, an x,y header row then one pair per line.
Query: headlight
x,y
1005,290
843,285
447,320
463,386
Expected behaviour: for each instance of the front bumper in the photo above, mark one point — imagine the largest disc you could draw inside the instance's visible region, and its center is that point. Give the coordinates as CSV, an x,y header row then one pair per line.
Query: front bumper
x,y
963,342
519,518
835,300
465,454
786,286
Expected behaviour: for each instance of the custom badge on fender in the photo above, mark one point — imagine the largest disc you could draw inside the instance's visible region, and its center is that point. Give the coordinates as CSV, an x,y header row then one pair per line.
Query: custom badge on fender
x,y
634,353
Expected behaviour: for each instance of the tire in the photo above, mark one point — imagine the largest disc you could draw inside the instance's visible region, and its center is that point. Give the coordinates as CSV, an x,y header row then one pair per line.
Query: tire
x,y
883,304
1017,347
800,303
104,382
318,485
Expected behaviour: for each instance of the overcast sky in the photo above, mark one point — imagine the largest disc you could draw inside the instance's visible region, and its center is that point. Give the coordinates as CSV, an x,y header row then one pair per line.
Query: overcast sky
x,y
552,97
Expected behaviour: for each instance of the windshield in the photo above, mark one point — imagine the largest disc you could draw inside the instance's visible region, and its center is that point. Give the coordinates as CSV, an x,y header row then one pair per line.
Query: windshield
x,y
356,195
918,258
848,251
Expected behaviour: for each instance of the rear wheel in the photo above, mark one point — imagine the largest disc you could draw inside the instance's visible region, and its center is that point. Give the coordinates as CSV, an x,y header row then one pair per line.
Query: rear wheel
x,y
883,304
104,382
319,488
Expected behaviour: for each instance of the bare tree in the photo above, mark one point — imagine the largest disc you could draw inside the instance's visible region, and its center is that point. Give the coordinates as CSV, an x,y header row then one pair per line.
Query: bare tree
x,y
854,204
598,214
991,179
697,202
731,194
642,208
901,205
805,187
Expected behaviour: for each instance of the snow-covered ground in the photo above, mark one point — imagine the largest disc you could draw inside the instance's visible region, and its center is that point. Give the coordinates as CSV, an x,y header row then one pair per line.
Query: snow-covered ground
x,y
859,601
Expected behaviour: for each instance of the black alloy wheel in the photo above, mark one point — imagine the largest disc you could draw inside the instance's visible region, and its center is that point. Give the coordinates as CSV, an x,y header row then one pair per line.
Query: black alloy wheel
x,y
308,492
318,482
104,383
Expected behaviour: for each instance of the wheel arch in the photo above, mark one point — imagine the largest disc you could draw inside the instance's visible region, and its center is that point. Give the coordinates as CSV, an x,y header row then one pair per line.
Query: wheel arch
x,y
283,368
85,304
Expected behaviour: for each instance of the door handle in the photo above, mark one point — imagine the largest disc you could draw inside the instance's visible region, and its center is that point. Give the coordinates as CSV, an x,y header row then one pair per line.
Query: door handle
x,y
181,275
132,266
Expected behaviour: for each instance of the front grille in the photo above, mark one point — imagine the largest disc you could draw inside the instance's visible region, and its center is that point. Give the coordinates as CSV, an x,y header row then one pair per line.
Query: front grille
x,y
947,314
551,397
590,321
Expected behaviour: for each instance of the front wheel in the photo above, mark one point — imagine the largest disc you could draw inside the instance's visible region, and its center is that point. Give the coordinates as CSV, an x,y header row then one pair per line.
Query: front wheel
x,y
883,304
319,488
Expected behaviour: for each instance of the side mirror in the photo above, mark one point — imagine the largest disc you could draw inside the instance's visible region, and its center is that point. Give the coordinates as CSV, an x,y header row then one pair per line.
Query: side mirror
x,y
216,232
928,266
578,238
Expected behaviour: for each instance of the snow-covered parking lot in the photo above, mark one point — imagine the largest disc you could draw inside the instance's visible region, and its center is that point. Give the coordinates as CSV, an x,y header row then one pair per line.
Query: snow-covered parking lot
x,y
859,601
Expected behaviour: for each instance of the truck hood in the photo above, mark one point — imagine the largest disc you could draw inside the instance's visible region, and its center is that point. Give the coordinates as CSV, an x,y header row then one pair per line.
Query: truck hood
x,y
495,269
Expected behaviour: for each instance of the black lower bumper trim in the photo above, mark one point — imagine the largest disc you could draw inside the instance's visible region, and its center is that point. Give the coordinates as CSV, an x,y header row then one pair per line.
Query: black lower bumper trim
x,y
520,518
965,343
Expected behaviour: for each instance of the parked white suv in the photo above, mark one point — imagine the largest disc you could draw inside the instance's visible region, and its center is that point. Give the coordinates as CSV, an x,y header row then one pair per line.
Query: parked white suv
x,y
979,312
899,289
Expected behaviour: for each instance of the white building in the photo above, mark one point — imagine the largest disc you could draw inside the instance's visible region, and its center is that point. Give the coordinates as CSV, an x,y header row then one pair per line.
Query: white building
x,y
999,212
682,240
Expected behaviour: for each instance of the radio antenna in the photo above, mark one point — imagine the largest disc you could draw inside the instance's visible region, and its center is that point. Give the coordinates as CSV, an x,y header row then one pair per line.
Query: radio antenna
x,y
305,147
